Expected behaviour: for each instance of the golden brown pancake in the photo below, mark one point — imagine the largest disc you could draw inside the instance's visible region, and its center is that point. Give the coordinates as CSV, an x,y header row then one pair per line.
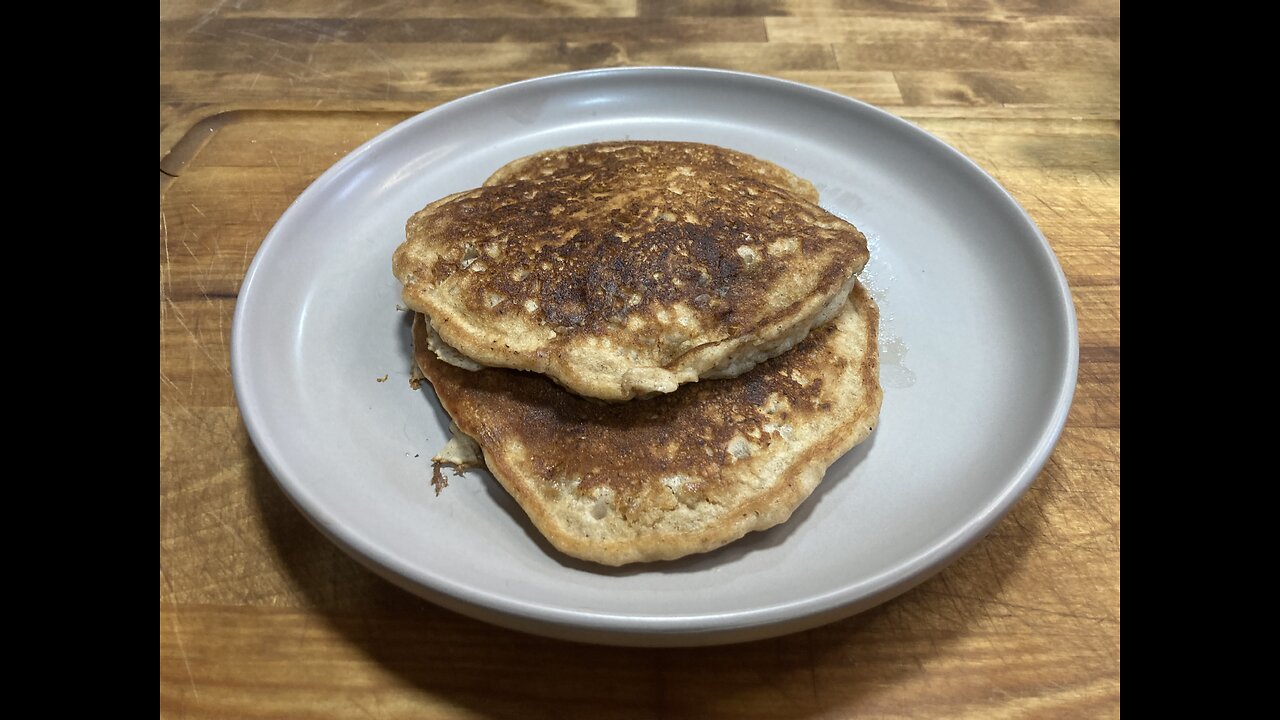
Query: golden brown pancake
x,y
681,473
625,269
581,159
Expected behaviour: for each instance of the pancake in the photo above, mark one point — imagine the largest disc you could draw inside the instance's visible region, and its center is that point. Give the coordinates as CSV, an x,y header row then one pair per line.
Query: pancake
x,y
682,473
581,159
625,269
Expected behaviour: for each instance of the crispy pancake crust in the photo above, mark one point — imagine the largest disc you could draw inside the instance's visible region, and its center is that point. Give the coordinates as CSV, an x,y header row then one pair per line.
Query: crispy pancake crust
x,y
683,473
625,269
580,160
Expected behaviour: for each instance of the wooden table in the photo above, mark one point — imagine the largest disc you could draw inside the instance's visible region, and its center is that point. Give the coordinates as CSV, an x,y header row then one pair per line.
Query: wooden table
x,y
262,617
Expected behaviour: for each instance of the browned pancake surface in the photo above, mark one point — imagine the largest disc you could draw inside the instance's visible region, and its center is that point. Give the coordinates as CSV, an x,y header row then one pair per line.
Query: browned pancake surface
x,y
680,473
625,269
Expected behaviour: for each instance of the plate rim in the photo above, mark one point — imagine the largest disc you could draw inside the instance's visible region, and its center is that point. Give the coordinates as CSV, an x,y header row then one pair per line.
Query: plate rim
x,y
654,629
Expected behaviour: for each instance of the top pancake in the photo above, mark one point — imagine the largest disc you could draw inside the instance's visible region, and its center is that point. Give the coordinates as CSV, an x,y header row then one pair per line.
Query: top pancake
x,y
624,269
584,158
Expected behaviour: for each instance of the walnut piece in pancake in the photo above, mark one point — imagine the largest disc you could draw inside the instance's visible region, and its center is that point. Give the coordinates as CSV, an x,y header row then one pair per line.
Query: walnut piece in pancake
x,y
625,269
682,473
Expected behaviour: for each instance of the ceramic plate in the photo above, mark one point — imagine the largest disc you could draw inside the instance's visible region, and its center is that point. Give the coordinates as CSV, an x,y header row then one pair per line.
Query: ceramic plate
x,y
978,344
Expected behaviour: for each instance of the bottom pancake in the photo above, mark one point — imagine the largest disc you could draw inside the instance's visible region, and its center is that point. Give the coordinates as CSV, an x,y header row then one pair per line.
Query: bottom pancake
x,y
681,473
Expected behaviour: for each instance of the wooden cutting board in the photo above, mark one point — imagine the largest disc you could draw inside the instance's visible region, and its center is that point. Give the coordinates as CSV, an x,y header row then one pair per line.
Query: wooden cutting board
x,y
260,616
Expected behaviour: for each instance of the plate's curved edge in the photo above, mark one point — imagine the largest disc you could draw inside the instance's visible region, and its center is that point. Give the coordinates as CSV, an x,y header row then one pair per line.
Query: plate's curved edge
x,y
660,630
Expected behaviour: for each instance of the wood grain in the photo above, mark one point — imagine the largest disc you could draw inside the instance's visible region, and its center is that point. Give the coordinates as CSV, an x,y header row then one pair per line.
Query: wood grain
x,y
262,617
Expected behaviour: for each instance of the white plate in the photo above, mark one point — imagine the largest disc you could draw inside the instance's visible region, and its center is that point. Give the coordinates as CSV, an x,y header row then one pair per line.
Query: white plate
x,y
979,347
